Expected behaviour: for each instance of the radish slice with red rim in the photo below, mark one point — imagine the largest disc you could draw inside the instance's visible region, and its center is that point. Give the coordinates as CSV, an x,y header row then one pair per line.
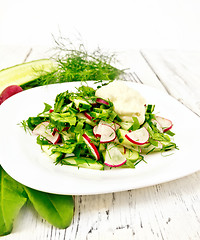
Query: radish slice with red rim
x,y
105,132
139,136
114,125
43,130
165,123
108,134
102,101
159,127
87,115
91,147
113,156
95,131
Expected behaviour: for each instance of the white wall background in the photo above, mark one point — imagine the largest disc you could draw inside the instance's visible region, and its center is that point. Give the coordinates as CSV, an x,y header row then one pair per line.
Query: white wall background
x,y
110,24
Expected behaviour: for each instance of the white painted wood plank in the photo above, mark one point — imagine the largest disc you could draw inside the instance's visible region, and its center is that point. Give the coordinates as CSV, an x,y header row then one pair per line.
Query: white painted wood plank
x,y
139,71
136,67
179,73
13,55
164,211
17,54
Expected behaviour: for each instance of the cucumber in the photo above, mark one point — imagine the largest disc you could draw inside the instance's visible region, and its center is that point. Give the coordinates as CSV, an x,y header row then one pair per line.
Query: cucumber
x,y
134,125
25,72
102,147
121,137
131,155
113,156
124,141
54,156
90,134
151,148
67,136
98,113
126,125
82,104
82,116
121,148
83,162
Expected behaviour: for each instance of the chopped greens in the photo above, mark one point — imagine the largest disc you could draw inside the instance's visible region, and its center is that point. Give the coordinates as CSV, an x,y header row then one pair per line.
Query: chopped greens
x,y
84,131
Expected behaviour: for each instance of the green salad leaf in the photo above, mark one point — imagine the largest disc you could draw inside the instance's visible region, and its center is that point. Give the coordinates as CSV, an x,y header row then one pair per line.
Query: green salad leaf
x,y
56,209
12,199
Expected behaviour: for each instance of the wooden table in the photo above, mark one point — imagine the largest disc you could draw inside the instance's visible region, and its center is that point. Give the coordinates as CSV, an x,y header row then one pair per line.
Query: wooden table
x,y
169,211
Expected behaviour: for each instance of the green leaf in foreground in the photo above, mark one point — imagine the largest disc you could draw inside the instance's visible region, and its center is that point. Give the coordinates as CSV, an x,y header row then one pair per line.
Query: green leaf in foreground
x,y
12,198
58,210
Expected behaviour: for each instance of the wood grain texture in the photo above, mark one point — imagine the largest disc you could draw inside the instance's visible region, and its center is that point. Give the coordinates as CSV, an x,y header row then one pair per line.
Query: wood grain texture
x,y
165,211
12,55
168,211
179,73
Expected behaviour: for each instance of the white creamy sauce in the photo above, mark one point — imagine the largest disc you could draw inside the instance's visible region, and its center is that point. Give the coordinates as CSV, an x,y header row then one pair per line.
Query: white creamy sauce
x,y
127,102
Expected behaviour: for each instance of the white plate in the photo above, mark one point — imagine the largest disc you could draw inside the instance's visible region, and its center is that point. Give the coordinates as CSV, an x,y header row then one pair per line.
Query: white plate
x,y
22,158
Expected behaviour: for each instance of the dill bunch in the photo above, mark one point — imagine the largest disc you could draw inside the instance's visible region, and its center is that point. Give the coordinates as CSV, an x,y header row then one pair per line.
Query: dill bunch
x,y
77,64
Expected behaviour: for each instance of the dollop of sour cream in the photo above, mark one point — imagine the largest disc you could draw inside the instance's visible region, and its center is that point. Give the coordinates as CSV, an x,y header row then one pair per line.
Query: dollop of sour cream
x,y
127,101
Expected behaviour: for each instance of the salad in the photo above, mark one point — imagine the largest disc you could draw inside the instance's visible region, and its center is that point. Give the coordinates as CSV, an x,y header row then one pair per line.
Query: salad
x,y
91,128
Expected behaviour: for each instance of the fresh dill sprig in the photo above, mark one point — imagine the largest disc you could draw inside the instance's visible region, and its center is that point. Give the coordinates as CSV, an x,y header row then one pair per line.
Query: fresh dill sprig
x,y
25,126
78,64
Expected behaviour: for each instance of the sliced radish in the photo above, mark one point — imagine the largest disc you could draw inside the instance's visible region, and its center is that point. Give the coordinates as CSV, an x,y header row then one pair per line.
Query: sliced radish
x,y
124,150
65,128
87,115
105,132
139,136
95,131
113,156
116,126
159,127
56,130
108,134
43,129
91,147
92,102
165,123
102,101
121,148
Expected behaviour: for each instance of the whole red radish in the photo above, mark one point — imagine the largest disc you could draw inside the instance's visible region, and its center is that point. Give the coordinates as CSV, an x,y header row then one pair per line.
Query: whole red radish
x,y
9,91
